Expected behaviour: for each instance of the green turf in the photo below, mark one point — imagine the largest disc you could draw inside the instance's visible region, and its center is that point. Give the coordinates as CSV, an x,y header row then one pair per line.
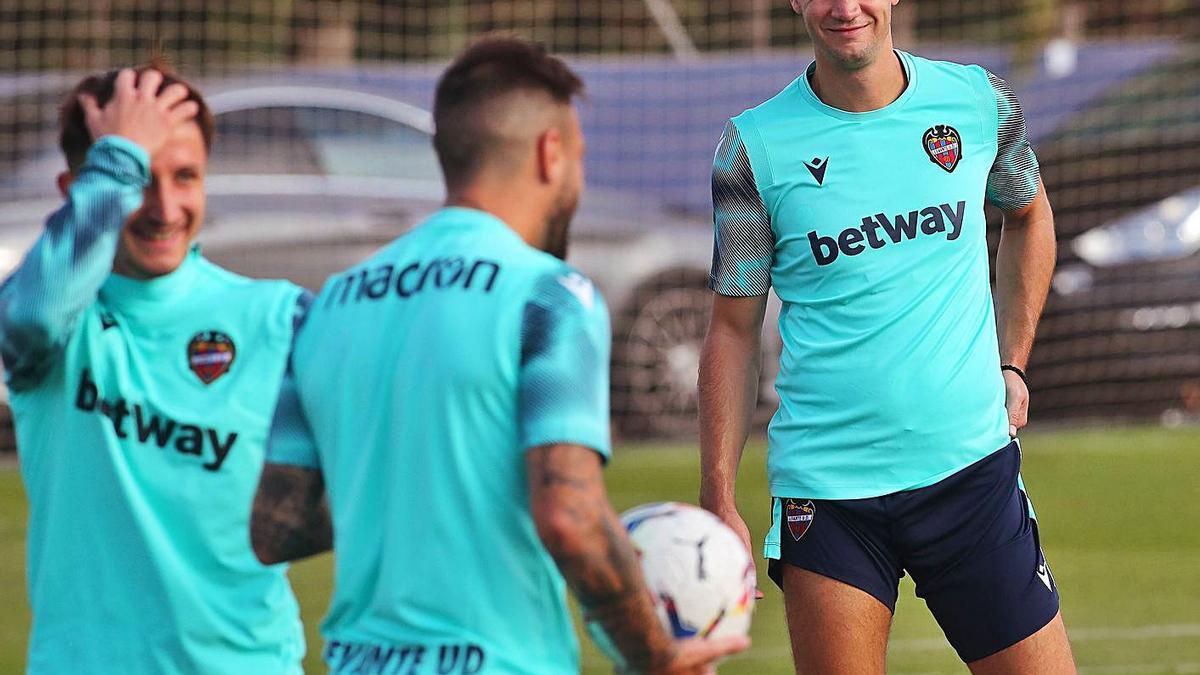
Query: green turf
x,y
1119,513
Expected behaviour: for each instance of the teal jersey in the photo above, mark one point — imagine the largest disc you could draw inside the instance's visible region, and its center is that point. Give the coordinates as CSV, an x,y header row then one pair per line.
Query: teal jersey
x,y
142,410
419,379
870,228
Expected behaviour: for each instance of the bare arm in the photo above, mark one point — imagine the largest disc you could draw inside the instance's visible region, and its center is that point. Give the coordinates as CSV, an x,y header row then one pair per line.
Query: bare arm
x,y
1024,265
291,518
729,369
1025,260
584,536
581,531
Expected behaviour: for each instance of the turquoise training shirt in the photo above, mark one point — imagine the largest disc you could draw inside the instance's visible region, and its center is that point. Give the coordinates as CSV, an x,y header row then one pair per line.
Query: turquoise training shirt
x,y
142,410
419,379
870,228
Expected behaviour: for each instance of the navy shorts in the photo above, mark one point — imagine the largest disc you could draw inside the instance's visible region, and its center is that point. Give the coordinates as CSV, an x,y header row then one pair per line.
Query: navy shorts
x,y
969,541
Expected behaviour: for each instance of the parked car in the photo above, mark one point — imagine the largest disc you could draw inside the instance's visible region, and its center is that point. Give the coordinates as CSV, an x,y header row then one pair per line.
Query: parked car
x,y
305,180
1120,336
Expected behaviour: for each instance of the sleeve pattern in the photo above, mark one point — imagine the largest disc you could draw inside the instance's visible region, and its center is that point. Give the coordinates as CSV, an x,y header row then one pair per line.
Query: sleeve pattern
x,y
1013,181
565,344
743,242
291,440
40,304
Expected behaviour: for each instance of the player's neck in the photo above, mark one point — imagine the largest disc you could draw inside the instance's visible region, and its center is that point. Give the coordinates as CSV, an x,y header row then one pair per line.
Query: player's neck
x,y
869,88
516,213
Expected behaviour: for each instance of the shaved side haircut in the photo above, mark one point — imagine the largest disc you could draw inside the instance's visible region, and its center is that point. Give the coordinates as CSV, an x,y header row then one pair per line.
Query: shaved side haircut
x,y
489,97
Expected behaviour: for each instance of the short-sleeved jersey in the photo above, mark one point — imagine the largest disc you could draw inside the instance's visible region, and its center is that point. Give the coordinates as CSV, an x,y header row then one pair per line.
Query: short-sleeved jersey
x,y
142,410
419,380
870,228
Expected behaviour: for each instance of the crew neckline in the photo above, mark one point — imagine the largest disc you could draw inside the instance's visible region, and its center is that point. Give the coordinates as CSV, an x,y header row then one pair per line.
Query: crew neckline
x,y
122,290
806,91
472,215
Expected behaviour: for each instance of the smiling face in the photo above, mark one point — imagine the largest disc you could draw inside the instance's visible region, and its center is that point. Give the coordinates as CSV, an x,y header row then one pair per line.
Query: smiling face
x,y
851,33
156,238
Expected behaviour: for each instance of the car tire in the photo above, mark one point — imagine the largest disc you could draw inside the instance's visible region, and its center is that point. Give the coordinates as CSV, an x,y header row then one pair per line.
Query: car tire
x,y
657,339
656,356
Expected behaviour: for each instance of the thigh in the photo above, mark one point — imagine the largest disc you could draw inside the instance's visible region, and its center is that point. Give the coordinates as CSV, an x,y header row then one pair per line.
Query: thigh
x,y
839,579
845,540
971,545
834,627
1046,651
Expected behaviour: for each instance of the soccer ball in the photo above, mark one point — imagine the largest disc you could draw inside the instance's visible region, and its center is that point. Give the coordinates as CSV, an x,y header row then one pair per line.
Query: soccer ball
x,y
698,571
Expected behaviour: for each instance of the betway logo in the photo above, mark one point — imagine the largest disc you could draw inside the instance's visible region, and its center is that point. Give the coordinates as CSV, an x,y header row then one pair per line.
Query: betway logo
x,y
186,439
878,231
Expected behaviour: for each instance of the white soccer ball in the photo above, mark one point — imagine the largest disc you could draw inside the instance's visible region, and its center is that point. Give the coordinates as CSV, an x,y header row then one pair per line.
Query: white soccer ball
x,y
698,571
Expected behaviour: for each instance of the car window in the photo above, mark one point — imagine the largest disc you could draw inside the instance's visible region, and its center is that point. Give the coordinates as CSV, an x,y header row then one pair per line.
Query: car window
x,y
320,141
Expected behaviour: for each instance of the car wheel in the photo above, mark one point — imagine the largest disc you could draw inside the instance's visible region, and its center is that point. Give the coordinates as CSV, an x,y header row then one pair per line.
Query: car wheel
x,y
656,357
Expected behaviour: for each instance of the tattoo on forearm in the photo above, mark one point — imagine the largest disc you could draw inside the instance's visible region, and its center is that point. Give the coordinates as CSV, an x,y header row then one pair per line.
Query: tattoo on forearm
x,y
291,517
600,564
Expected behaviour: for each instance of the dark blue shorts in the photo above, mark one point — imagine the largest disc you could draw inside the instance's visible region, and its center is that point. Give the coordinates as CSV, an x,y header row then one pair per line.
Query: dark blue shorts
x,y
970,543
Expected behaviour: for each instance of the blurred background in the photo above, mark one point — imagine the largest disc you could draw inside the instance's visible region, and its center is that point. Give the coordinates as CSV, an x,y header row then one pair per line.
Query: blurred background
x,y
323,154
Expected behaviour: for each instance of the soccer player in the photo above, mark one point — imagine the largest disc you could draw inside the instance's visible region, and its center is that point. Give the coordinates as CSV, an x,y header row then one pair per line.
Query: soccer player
x,y
857,193
142,381
449,395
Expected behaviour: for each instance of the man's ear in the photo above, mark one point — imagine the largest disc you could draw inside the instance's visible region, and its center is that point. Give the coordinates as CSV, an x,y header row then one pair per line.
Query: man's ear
x,y
551,158
64,181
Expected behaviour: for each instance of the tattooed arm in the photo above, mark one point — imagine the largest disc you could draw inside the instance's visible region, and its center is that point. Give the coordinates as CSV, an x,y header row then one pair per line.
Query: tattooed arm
x,y
290,519
586,539
580,529
291,516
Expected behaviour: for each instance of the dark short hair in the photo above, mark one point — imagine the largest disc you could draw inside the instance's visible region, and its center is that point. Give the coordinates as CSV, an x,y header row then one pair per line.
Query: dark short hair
x,y
75,138
492,67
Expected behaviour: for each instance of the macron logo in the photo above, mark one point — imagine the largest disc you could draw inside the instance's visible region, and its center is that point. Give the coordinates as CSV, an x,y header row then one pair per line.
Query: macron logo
x,y
580,287
1043,573
817,168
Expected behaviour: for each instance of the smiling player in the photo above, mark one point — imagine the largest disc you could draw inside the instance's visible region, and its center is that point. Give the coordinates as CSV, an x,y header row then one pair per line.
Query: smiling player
x,y
142,382
857,193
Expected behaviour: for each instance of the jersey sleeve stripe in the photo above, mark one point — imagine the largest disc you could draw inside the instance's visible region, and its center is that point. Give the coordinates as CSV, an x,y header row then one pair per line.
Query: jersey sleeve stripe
x,y
743,242
1013,181
565,348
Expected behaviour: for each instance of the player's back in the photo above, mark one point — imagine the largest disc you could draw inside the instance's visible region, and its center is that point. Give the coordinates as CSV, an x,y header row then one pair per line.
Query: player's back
x,y
407,370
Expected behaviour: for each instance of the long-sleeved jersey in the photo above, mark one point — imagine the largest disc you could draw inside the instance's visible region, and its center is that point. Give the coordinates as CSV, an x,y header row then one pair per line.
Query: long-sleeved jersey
x,y
141,411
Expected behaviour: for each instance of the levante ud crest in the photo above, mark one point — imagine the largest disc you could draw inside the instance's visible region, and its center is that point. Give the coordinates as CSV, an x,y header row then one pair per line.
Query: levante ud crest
x,y
943,144
799,516
210,353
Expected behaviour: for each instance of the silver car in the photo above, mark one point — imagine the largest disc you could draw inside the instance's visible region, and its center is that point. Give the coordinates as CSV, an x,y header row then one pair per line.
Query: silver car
x,y
304,181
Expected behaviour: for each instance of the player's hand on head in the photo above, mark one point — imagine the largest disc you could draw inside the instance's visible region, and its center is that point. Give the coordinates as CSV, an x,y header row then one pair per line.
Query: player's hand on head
x,y
1016,401
138,111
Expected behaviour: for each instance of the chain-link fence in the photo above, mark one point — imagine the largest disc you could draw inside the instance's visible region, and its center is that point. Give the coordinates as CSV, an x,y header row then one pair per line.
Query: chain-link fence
x,y
322,154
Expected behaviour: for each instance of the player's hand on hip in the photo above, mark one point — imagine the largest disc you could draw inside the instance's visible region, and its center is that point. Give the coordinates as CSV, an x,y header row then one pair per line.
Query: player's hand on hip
x,y
138,111
1016,401
700,656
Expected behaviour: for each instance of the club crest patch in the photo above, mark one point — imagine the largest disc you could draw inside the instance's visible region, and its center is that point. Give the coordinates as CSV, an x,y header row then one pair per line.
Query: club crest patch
x,y
943,144
799,516
210,353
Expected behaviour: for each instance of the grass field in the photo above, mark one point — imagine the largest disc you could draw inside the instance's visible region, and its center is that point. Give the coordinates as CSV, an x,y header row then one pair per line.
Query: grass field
x,y
1120,518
